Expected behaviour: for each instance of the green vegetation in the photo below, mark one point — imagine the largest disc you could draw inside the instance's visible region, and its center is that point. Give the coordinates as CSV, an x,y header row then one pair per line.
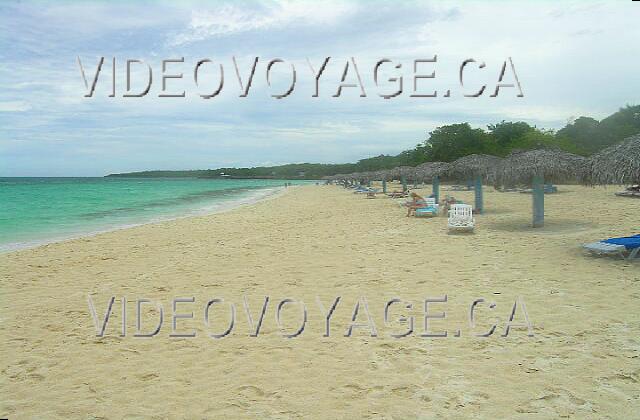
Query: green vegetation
x,y
162,174
589,135
447,143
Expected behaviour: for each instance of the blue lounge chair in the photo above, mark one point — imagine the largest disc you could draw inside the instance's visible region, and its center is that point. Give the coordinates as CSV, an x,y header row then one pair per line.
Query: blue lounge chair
x,y
616,246
430,208
362,190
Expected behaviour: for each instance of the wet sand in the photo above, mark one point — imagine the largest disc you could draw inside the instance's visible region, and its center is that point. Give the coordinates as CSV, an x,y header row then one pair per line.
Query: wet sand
x,y
583,360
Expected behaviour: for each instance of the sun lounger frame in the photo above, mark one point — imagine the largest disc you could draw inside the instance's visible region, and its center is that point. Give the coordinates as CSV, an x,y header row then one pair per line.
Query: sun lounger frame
x,y
603,248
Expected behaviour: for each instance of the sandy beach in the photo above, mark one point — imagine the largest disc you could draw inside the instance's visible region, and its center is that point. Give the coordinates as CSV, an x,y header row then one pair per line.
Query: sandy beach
x,y
583,360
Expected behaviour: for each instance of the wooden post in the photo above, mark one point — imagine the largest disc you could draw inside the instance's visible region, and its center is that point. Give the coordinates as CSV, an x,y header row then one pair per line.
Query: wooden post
x,y
384,186
538,201
436,188
478,193
404,183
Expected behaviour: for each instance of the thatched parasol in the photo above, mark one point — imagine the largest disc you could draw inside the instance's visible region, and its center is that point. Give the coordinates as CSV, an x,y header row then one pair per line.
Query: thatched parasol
x,y
429,170
356,177
537,166
617,164
473,166
551,165
404,174
407,172
380,175
367,176
477,167
383,175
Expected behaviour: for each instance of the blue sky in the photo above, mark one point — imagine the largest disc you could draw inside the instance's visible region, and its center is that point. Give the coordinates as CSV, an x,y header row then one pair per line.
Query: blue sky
x,y
571,58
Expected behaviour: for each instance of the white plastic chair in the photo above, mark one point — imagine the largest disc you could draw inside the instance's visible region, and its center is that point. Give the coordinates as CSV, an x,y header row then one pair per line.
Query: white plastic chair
x,y
461,218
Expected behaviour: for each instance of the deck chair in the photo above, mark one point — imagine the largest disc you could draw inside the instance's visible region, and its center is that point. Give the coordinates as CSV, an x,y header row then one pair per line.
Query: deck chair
x,y
372,193
430,208
461,218
627,247
398,194
362,190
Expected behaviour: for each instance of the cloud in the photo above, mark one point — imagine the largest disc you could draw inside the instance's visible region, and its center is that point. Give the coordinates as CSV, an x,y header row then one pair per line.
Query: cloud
x,y
234,19
569,59
14,106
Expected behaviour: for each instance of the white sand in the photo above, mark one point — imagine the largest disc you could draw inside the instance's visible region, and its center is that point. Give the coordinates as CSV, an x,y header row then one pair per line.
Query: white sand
x,y
583,361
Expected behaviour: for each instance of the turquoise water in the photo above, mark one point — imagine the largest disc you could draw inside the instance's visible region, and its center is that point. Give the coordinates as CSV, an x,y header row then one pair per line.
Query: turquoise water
x,y
40,210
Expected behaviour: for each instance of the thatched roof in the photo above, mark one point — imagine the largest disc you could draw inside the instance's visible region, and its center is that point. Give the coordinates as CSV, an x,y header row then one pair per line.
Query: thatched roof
x,y
617,164
358,176
382,175
407,171
366,176
427,171
552,165
472,166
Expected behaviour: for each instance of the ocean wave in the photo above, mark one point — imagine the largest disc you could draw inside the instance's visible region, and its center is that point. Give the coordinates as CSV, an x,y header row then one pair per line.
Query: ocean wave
x,y
191,204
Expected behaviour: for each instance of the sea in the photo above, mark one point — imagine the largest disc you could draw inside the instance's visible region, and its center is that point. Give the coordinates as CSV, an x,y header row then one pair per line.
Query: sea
x,y
36,211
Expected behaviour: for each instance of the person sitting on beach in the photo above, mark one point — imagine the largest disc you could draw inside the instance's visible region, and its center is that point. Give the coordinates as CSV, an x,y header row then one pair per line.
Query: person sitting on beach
x,y
446,203
415,203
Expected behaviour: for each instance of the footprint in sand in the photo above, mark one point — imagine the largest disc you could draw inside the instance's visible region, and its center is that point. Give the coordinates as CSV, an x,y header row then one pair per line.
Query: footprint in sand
x,y
622,382
465,399
354,389
559,401
148,376
252,392
54,327
628,378
35,376
403,391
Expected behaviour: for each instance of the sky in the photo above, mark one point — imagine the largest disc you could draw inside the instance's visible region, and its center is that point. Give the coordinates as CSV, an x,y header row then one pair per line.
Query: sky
x,y
570,59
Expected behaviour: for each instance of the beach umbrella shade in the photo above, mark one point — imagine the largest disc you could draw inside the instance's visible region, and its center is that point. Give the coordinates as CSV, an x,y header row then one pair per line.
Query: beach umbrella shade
x,y
432,171
404,174
373,176
402,171
355,177
477,167
535,167
382,175
617,164
365,178
395,174
362,177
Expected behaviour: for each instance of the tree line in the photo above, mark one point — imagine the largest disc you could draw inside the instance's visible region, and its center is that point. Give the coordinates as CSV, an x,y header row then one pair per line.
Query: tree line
x,y
583,136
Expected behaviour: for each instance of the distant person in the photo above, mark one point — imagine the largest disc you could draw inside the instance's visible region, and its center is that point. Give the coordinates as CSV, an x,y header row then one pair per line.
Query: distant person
x,y
447,203
416,202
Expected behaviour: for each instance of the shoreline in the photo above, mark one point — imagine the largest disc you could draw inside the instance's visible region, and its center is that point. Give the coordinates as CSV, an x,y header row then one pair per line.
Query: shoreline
x,y
13,247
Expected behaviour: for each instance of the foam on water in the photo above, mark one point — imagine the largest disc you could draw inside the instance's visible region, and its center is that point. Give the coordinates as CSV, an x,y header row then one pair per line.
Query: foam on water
x,y
38,211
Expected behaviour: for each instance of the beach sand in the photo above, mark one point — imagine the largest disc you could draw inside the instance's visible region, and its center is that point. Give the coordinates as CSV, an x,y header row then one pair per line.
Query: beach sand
x,y
583,360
